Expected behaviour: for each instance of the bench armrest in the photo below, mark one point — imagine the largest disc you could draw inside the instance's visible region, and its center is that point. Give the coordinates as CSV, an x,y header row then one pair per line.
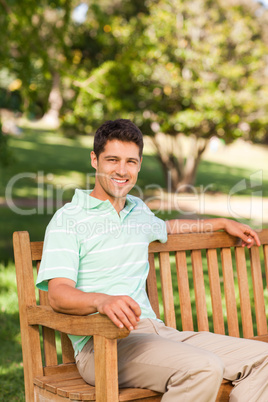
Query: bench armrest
x,y
94,324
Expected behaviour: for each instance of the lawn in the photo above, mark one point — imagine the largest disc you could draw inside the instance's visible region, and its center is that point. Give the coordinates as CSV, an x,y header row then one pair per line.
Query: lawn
x,y
11,367
54,166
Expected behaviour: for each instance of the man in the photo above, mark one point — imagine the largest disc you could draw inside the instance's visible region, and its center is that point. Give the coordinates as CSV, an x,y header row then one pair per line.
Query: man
x,y
95,259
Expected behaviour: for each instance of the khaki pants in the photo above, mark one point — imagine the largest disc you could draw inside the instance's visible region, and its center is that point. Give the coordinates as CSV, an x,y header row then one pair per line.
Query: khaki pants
x,y
186,366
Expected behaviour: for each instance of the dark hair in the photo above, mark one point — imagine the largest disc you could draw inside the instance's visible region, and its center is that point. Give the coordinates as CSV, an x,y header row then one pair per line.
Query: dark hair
x,y
120,129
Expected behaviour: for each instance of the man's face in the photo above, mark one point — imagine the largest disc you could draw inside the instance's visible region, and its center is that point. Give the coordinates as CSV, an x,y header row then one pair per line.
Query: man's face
x,y
117,169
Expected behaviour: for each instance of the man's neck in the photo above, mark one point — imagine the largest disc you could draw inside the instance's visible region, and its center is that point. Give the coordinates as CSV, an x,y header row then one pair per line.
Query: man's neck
x,y
117,203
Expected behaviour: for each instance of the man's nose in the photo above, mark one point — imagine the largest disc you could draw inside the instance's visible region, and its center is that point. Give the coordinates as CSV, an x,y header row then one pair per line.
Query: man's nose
x,y
121,168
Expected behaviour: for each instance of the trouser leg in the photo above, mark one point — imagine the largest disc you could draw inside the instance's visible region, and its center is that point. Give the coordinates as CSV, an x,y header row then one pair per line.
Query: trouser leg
x,y
148,360
245,361
181,372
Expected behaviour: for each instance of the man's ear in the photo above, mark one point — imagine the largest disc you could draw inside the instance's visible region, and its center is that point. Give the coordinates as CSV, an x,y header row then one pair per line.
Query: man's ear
x,y
94,159
140,164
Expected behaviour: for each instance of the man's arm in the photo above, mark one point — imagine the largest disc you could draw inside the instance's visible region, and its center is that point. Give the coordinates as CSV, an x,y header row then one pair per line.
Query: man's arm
x,y
244,232
65,298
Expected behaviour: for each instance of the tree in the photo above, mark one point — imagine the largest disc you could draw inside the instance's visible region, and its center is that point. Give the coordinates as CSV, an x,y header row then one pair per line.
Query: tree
x,y
49,51
175,67
185,67
36,50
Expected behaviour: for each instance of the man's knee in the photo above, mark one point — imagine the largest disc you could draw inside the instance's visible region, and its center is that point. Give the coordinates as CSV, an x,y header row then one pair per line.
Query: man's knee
x,y
218,367
215,369
201,382
209,370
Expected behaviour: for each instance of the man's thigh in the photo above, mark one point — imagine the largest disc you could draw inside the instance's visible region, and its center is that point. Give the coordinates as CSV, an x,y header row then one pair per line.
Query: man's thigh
x,y
149,360
239,355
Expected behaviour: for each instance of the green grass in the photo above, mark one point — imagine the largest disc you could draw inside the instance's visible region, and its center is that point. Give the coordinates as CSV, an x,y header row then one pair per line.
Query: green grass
x,y
11,367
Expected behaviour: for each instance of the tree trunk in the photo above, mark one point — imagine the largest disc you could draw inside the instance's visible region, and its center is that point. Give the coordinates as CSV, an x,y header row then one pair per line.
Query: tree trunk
x,y
180,175
51,117
172,168
192,162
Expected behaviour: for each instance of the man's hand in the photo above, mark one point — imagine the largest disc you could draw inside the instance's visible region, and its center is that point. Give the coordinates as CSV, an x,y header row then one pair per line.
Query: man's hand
x,y
244,232
65,298
122,310
248,235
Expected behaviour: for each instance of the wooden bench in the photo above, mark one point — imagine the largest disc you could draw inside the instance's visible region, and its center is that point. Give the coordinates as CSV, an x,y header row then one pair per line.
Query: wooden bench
x,y
188,260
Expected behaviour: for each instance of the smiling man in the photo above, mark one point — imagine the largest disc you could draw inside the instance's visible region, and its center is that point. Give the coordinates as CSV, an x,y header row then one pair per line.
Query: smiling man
x,y
95,259
117,168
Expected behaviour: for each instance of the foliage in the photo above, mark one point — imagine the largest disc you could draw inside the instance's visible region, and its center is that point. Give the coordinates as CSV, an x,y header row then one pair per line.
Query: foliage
x,y
173,66
191,67
5,152
36,46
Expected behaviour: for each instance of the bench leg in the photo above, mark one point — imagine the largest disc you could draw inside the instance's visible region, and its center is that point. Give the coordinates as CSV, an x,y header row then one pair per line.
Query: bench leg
x,y
106,369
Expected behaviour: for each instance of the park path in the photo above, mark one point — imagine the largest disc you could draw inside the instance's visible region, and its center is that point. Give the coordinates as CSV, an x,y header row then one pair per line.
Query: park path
x,y
237,207
190,205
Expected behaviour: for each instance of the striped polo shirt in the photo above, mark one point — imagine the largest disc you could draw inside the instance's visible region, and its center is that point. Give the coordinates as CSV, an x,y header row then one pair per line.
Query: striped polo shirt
x,y
88,242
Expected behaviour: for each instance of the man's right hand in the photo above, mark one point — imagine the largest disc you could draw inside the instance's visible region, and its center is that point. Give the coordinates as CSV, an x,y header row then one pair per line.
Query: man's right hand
x,y
65,298
122,310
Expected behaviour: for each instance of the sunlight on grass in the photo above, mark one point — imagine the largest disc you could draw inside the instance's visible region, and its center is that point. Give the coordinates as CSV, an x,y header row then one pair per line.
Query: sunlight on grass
x,y
11,366
23,144
8,286
72,178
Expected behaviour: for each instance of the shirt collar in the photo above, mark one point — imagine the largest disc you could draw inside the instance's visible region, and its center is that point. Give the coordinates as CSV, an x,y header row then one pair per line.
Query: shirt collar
x,y
82,198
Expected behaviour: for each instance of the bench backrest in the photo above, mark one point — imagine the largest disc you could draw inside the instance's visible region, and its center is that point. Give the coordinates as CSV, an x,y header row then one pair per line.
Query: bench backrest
x,y
197,291
200,274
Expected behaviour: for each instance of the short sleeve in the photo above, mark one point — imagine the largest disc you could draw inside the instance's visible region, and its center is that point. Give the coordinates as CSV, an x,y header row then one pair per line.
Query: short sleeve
x,y
60,257
158,229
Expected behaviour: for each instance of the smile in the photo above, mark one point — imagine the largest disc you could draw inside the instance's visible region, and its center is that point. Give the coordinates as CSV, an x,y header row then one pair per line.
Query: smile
x,y
120,181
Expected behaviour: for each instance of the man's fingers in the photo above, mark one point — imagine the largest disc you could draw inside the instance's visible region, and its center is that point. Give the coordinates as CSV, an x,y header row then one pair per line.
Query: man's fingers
x,y
127,316
120,319
255,237
135,307
249,237
114,319
123,311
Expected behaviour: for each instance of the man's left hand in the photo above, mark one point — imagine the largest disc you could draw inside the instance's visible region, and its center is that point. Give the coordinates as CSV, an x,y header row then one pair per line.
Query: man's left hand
x,y
249,236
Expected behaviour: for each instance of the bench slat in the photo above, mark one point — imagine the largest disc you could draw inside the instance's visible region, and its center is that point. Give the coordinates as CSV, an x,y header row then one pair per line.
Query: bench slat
x,y
265,254
258,290
184,291
241,268
198,241
67,349
215,291
49,341
167,290
200,293
229,290
152,286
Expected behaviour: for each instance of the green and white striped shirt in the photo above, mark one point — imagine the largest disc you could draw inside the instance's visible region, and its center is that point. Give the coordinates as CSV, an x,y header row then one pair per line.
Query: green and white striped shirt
x,y
103,252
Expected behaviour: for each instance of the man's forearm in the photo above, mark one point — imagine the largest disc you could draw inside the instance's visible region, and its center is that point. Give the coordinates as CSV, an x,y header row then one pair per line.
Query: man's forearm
x,y
195,226
68,300
65,298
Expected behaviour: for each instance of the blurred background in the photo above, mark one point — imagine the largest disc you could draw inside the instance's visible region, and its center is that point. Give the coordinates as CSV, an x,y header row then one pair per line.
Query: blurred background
x,y
192,74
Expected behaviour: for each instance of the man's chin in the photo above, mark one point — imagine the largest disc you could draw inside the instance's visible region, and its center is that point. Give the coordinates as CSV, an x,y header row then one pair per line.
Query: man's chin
x,y
122,188
121,192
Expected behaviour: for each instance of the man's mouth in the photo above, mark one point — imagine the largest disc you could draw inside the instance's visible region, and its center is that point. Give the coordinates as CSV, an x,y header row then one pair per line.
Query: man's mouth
x,y
120,181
